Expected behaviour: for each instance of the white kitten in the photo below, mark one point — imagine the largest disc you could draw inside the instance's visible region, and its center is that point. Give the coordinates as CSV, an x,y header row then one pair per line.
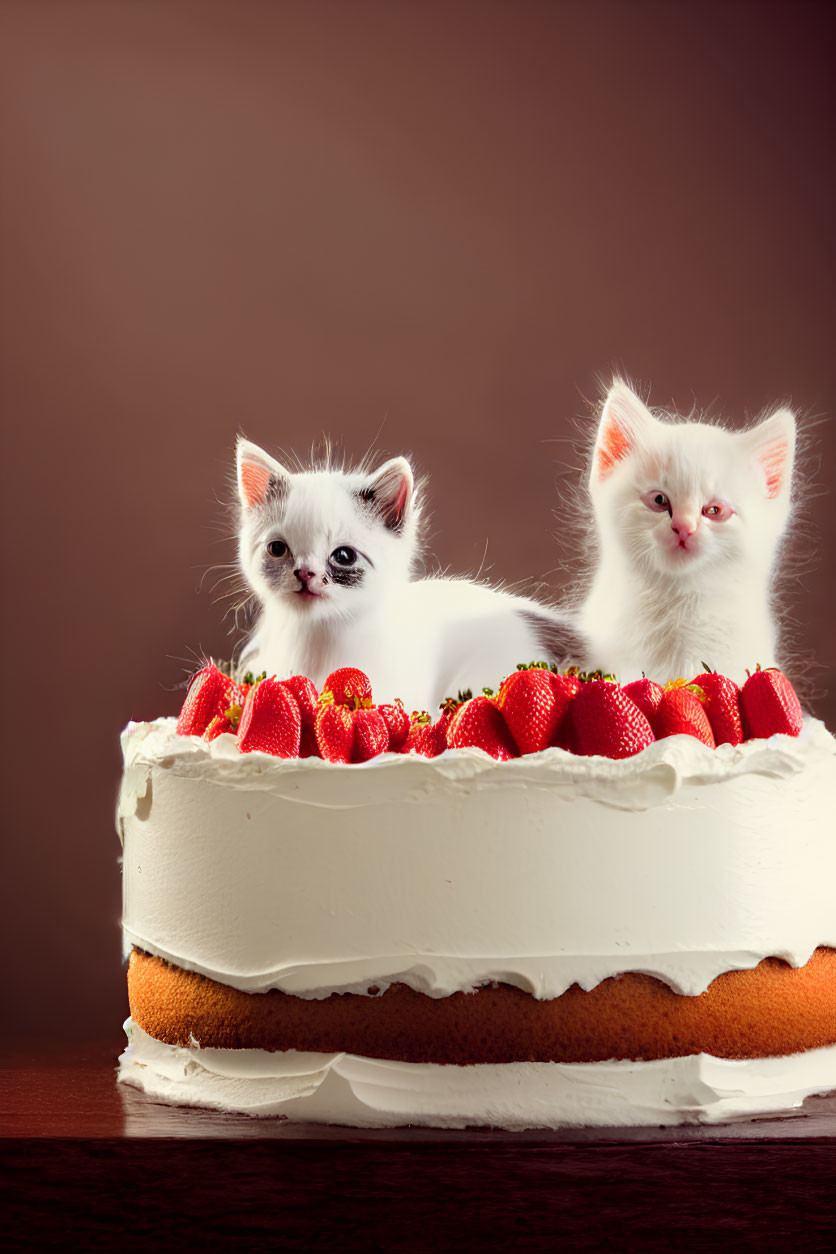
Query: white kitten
x,y
330,554
689,521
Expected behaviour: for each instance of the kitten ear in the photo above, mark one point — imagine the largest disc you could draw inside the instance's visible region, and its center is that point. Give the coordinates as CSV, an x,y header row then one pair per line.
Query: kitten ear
x,y
259,475
624,420
389,491
771,444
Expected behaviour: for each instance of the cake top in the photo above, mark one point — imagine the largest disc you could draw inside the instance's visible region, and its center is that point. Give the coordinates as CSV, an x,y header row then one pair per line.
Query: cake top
x,y
656,775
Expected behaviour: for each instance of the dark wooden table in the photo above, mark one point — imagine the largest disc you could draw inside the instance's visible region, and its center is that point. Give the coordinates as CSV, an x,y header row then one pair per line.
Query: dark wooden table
x,y
91,1165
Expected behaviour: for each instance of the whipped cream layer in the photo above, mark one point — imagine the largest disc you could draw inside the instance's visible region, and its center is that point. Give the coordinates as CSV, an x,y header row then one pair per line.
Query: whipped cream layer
x,y
549,870
372,1092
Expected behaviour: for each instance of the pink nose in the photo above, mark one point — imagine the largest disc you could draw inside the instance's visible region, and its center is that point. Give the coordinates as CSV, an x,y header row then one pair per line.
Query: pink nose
x,y
684,525
305,576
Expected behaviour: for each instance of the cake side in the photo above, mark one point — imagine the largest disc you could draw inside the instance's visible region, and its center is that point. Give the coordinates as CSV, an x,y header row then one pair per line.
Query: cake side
x,y
561,941
681,863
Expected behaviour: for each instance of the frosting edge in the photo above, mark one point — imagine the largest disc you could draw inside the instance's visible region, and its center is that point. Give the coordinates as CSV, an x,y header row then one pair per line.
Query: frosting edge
x,y
366,1092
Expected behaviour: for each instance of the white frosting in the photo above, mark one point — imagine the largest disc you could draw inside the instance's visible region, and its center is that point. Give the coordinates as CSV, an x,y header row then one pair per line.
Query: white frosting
x,y
371,1092
682,862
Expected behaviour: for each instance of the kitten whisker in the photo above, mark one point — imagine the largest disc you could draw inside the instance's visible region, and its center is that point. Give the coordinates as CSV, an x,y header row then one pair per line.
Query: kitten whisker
x,y
366,462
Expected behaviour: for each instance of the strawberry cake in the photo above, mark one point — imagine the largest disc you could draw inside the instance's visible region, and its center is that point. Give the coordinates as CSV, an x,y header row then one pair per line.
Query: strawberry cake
x,y
566,903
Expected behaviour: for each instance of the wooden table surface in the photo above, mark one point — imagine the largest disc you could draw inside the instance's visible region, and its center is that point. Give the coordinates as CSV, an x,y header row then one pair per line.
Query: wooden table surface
x,y
90,1164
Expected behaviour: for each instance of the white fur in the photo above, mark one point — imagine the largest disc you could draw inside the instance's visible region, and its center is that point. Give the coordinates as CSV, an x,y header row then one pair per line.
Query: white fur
x,y
419,640
663,610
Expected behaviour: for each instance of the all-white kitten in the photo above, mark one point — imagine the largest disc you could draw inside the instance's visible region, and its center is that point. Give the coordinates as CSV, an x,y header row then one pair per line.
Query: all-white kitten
x,y
330,557
689,521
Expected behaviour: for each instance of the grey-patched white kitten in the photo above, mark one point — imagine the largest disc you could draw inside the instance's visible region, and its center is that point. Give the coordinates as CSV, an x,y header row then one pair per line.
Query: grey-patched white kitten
x,y
689,519
330,554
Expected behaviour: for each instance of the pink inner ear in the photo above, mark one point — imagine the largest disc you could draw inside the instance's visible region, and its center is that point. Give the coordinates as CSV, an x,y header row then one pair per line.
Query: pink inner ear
x,y
255,479
400,500
613,446
773,458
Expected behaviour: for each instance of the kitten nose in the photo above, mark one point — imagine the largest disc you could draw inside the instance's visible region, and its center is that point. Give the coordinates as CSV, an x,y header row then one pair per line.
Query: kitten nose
x,y
684,525
304,575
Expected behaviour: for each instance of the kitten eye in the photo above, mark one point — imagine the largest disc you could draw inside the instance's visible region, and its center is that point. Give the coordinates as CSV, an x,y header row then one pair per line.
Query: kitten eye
x,y
657,501
277,548
717,511
344,556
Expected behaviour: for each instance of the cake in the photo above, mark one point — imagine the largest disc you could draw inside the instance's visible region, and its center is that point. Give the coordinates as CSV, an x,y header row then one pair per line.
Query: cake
x,y
455,941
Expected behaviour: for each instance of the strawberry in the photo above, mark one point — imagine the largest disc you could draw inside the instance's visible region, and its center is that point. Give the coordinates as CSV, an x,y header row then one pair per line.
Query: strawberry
x,y
220,723
397,721
646,695
722,705
335,732
304,691
210,693
270,721
533,704
347,686
770,704
603,720
479,723
425,737
573,681
573,684
682,713
371,735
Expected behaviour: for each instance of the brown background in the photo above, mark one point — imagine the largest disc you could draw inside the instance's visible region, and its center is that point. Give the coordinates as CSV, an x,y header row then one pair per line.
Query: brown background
x,y
435,226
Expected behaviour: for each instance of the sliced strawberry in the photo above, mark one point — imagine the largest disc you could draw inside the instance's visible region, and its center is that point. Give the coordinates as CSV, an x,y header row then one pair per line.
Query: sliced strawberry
x,y
417,727
646,695
426,737
270,721
304,690
722,705
335,732
348,686
682,713
371,735
603,720
306,697
534,703
220,724
573,683
397,721
479,723
210,693
770,705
